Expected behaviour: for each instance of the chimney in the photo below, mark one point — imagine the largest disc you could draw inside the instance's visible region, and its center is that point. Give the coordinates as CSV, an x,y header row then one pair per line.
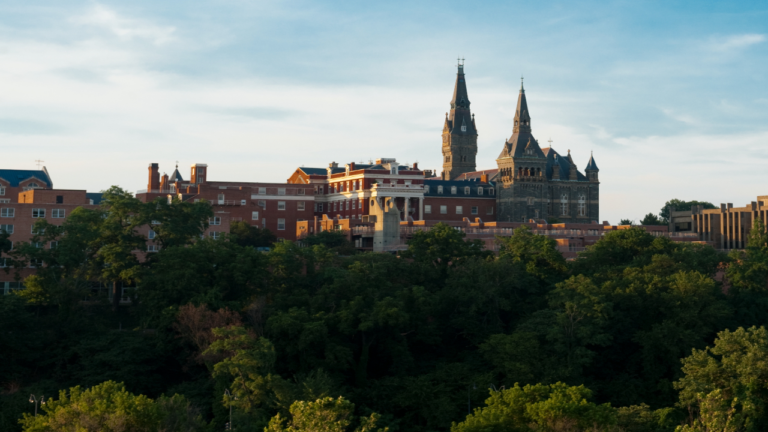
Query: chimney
x,y
352,166
199,173
415,166
484,178
333,165
164,183
154,177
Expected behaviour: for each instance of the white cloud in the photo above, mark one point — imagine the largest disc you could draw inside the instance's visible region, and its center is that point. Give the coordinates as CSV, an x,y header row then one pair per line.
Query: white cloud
x,y
125,28
736,42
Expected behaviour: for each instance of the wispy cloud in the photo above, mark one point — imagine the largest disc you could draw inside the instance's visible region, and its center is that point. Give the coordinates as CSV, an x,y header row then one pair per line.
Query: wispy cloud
x,y
125,28
736,41
681,117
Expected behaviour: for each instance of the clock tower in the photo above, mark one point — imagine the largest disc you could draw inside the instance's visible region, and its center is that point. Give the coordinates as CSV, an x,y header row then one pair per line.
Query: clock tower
x,y
459,132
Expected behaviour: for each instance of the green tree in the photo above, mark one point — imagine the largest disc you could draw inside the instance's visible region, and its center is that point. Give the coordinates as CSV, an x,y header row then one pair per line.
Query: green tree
x,y
442,247
724,387
108,407
537,253
680,205
245,234
626,222
652,219
747,275
177,223
539,407
333,240
324,415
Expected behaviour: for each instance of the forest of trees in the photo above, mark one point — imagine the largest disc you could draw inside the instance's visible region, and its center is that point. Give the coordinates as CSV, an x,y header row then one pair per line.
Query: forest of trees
x,y
639,333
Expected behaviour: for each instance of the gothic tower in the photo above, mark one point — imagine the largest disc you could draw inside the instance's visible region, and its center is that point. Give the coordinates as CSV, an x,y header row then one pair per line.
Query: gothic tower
x,y
522,166
459,133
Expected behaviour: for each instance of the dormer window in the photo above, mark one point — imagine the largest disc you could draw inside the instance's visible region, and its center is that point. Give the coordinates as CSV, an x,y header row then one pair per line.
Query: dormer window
x,y
479,191
453,190
426,189
439,190
466,190
463,128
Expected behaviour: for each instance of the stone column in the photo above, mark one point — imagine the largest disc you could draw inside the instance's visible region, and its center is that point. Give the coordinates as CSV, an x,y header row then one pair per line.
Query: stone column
x,y
421,208
407,202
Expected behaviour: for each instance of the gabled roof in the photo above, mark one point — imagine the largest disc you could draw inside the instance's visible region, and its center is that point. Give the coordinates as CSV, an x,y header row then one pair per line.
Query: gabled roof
x,y
176,176
313,171
557,162
14,177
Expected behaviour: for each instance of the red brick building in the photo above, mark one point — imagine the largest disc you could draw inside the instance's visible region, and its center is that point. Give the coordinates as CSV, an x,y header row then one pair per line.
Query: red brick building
x,y
275,206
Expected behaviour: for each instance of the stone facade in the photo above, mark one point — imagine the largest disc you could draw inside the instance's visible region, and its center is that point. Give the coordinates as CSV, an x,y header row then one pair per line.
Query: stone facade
x,y
539,183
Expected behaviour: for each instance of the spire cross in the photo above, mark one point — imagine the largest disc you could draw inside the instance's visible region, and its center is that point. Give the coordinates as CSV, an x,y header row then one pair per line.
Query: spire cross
x,y
521,82
550,141
177,164
460,61
39,162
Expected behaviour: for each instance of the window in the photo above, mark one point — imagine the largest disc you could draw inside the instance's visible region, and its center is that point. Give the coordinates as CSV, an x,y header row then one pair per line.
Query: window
x,y
40,231
347,205
262,204
6,201
59,199
281,191
479,191
151,234
489,211
582,205
152,248
463,128
7,212
281,224
38,245
221,198
255,215
34,263
474,209
453,190
354,204
7,228
4,262
426,189
155,222
215,220
491,191
320,207
215,235
334,206
2,190
57,213
242,202
281,205
38,213
530,200
443,209
300,192
564,204
439,190
466,191
459,210
54,244
301,205
262,191
428,209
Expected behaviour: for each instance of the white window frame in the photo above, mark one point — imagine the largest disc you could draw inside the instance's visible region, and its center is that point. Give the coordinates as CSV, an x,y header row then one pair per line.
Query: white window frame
x,y
58,213
38,213
439,190
428,208
582,205
281,205
443,209
2,190
262,191
480,191
8,212
467,191
454,190
7,228
216,220
151,248
281,191
563,205
301,205
320,207
254,215
459,209
151,234
474,210
280,224
215,235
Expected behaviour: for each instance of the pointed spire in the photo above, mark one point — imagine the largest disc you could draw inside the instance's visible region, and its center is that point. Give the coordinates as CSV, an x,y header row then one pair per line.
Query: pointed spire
x,y
460,105
591,165
570,159
522,117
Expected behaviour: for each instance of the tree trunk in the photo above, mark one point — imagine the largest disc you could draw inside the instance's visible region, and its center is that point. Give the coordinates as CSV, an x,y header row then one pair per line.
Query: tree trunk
x,y
116,296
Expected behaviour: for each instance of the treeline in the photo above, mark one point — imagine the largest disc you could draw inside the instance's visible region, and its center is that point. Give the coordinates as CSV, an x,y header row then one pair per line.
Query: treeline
x,y
637,334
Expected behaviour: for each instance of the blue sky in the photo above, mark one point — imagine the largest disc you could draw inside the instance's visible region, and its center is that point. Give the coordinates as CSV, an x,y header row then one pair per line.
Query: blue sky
x,y
672,97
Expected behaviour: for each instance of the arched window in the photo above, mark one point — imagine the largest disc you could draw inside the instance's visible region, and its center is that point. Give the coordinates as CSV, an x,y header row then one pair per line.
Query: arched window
x,y
582,205
563,204
480,191
453,190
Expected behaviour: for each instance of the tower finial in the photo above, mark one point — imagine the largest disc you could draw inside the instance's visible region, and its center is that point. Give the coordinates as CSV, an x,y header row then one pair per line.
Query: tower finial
x,y
521,83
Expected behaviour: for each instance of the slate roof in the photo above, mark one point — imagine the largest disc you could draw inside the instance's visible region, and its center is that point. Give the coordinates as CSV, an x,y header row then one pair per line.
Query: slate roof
x,y
460,185
95,196
314,171
475,175
460,114
556,161
14,177
591,165
176,176
521,137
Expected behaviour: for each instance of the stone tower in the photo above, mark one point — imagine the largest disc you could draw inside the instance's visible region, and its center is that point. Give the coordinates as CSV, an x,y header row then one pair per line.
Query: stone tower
x,y
459,133
522,180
